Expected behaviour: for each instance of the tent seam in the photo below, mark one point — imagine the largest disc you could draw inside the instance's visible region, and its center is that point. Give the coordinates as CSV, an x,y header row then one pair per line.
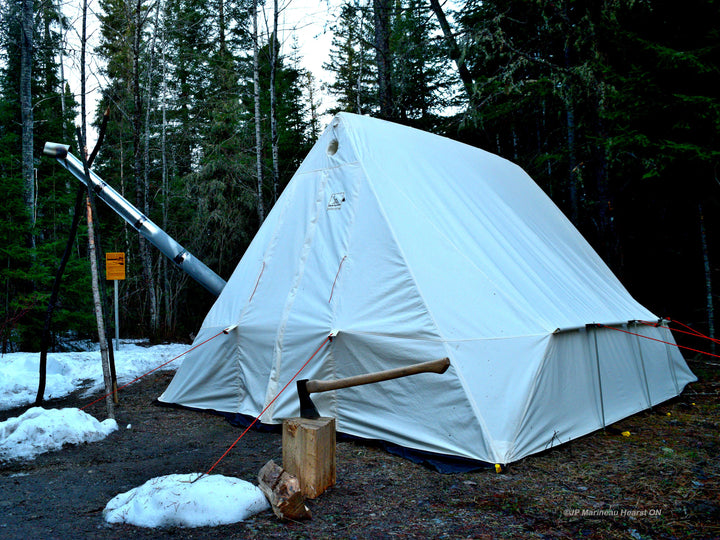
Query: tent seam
x,y
280,335
531,395
446,340
349,238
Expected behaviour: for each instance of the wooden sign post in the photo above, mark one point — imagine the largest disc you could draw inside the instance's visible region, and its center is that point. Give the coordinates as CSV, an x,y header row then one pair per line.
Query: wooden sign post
x,y
115,271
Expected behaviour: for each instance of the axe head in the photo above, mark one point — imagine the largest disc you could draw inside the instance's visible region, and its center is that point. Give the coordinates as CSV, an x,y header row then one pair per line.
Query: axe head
x,y
307,407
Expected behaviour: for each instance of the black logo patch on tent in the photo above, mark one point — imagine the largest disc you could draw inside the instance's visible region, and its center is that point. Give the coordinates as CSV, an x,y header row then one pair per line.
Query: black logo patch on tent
x,y
336,200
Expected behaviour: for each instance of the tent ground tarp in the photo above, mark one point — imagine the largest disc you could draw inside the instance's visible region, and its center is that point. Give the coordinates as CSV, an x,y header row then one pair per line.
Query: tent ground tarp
x,y
413,247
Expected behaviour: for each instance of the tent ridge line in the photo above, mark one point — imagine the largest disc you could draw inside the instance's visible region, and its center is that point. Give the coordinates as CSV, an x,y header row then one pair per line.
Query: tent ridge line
x,y
347,244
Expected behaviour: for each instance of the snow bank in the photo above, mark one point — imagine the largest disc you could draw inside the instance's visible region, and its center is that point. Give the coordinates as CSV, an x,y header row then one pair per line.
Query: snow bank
x,y
66,372
174,500
41,430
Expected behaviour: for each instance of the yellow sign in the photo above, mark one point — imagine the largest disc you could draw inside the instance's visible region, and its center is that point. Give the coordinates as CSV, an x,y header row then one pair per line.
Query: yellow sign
x,y
115,266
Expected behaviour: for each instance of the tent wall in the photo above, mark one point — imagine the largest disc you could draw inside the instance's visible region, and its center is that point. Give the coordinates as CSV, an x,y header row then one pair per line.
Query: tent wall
x,y
571,398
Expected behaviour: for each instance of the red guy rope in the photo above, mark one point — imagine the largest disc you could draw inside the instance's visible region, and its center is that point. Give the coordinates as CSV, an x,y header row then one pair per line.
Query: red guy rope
x,y
660,340
696,332
152,370
263,411
690,331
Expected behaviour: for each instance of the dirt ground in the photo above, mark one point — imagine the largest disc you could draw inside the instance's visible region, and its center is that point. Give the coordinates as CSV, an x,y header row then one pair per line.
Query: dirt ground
x,y
661,482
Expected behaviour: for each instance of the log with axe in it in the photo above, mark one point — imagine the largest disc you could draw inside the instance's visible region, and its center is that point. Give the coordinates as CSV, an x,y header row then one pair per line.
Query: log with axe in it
x,y
306,387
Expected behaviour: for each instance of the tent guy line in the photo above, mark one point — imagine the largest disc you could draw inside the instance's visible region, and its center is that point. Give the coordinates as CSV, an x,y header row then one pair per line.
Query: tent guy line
x,y
225,331
692,331
696,332
327,339
665,342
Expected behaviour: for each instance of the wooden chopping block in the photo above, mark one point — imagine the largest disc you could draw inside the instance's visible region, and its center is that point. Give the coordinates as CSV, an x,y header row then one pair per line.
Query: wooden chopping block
x,y
309,453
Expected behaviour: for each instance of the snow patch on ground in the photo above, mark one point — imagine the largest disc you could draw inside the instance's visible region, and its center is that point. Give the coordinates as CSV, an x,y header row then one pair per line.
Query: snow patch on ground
x,y
175,500
161,502
41,430
66,372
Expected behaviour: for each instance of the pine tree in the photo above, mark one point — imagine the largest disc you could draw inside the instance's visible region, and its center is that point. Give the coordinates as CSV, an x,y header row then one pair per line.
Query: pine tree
x,y
420,85
26,272
352,61
608,106
407,80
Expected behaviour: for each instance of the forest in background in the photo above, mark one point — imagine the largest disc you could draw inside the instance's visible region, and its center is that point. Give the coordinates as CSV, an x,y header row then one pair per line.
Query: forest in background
x,y
612,106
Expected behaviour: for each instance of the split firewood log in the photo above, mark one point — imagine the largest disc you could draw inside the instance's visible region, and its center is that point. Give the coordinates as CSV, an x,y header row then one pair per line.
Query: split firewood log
x,y
282,489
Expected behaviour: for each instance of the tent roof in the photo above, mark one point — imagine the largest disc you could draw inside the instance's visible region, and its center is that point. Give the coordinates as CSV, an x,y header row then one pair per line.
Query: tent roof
x,y
488,252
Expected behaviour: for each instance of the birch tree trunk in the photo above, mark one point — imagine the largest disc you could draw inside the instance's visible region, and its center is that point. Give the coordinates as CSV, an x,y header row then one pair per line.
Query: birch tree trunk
x,y
154,309
28,168
141,184
361,66
165,189
273,103
92,251
97,302
63,105
314,116
258,133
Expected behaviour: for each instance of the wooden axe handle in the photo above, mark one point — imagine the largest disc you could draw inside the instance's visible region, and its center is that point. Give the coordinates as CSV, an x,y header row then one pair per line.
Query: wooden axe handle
x,y
434,366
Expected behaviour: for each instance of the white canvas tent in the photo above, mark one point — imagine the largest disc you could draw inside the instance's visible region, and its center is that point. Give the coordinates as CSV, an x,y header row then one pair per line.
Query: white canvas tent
x,y
414,247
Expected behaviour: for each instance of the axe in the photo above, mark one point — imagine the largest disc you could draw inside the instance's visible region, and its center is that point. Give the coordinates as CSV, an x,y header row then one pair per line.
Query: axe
x,y
306,387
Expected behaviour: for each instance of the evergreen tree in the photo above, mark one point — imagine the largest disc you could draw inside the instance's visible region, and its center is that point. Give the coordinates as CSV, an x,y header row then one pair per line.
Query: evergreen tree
x,y
421,86
416,88
609,106
352,61
27,272
663,117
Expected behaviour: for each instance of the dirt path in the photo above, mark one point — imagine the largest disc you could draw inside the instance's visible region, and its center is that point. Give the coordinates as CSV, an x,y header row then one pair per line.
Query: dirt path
x,y
661,482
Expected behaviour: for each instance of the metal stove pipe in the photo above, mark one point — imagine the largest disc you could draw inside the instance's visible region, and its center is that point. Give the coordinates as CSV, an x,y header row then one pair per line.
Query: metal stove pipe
x,y
182,258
